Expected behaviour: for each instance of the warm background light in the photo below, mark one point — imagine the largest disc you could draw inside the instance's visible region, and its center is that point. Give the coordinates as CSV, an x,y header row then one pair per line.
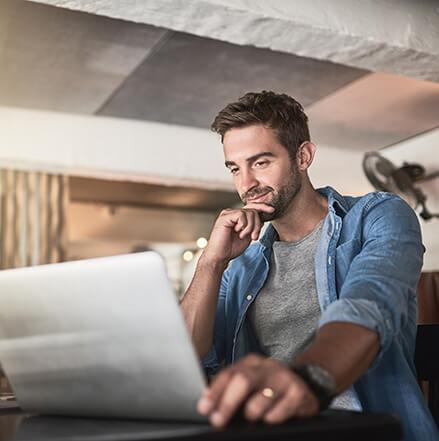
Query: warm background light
x,y
188,256
201,242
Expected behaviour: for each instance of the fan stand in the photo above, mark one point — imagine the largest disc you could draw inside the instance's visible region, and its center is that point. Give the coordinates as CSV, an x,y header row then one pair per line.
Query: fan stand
x,y
417,174
425,213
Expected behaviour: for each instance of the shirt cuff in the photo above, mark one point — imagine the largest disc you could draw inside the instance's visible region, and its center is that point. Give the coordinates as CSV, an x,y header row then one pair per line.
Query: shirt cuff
x,y
365,313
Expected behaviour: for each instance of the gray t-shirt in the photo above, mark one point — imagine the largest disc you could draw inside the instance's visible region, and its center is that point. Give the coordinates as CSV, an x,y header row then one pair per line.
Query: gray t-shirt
x,y
286,312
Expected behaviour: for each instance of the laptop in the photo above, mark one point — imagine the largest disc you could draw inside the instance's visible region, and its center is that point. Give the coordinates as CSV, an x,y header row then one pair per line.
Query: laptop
x,y
100,337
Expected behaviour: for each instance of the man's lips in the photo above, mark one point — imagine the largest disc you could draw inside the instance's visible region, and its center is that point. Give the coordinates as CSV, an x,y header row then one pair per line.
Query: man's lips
x,y
257,198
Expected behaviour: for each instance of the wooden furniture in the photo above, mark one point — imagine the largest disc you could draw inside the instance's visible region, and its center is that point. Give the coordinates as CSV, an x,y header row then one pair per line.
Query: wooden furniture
x,y
427,364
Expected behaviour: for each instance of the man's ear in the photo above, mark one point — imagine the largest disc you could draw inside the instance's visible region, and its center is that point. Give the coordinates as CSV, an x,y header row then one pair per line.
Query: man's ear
x,y
305,155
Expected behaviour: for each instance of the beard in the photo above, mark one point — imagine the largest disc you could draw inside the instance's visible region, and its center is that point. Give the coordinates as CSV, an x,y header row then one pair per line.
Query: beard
x,y
280,199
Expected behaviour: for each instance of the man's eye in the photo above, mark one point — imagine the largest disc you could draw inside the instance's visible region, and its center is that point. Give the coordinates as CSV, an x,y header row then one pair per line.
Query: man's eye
x,y
260,163
233,170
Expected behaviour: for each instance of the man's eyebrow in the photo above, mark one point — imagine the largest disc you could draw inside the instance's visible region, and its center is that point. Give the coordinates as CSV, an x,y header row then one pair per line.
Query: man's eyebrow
x,y
251,159
259,155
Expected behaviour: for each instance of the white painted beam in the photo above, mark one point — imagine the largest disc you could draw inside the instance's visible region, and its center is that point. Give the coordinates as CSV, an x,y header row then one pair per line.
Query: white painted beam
x,y
140,151
111,148
400,37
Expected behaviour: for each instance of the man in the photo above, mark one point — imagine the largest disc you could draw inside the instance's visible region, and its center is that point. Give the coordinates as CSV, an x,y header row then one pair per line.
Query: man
x,y
324,305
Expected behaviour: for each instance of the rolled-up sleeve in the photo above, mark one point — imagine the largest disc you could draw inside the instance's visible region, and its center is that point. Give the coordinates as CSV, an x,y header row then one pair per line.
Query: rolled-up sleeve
x,y
382,278
215,357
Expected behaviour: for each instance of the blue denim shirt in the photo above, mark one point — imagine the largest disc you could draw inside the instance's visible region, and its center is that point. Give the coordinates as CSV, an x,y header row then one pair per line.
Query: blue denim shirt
x,y
367,267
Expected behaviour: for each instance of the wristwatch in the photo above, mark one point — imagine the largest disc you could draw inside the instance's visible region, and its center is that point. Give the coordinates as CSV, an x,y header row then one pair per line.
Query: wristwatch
x,y
319,381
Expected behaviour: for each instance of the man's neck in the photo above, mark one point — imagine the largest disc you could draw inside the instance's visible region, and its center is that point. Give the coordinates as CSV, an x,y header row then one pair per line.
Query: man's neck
x,y
307,209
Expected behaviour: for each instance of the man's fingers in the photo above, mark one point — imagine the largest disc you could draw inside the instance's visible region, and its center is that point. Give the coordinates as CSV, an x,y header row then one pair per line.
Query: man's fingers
x,y
277,383
259,404
231,388
248,224
241,221
254,224
280,394
293,403
251,218
204,405
246,221
256,228
212,395
232,398
285,408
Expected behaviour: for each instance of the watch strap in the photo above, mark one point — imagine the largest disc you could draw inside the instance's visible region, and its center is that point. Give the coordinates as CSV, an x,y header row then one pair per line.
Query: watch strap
x,y
319,381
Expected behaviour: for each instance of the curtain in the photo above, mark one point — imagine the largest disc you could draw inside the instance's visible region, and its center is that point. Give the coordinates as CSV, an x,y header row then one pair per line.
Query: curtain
x,y
32,218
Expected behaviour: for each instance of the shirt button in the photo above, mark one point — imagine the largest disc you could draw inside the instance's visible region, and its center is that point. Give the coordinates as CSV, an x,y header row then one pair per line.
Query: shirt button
x,y
249,297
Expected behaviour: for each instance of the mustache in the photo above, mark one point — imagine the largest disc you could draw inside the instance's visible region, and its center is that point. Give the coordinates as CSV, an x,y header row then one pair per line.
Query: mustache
x,y
255,192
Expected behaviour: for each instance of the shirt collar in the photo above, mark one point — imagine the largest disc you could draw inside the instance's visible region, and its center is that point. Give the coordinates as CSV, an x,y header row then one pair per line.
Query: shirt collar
x,y
336,203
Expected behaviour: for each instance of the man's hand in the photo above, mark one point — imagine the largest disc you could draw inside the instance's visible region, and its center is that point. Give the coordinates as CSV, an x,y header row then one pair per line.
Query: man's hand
x,y
231,235
248,384
233,231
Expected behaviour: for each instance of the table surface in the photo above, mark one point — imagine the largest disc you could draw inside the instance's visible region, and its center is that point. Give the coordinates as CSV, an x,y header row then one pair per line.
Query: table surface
x,y
332,425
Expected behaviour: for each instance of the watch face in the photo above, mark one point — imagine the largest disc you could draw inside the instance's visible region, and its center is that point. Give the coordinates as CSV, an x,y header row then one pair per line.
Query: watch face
x,y
321,377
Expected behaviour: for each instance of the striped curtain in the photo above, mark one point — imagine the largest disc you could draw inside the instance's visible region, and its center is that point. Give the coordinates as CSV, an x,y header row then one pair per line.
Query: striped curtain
x,y
32,218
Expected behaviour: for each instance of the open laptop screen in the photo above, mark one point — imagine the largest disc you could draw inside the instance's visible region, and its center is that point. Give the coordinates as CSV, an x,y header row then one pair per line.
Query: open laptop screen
x,y
99,337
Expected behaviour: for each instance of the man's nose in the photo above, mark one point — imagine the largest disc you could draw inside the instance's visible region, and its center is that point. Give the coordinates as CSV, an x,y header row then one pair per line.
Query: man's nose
x,y
248,181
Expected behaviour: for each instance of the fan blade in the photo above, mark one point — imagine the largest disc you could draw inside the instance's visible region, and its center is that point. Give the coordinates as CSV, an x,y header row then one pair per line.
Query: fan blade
x,y
379,171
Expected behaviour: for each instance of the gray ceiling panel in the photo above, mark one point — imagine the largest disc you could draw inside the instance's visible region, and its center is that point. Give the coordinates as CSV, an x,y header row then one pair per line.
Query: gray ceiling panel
x,y
56,59
190,78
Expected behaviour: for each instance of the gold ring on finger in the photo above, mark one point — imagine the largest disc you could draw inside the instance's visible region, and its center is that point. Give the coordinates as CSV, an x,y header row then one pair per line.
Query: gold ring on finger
x,y
268,392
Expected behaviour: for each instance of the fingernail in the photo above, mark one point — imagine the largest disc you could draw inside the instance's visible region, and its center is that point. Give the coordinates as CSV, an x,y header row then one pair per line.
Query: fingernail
x,y
204,406
217,419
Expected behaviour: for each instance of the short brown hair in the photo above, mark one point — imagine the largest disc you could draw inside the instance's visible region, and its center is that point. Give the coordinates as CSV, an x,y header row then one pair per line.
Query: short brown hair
x,y
280,112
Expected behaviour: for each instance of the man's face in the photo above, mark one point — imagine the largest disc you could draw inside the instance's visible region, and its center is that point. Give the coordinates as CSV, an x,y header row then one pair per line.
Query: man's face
x,y
262,169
